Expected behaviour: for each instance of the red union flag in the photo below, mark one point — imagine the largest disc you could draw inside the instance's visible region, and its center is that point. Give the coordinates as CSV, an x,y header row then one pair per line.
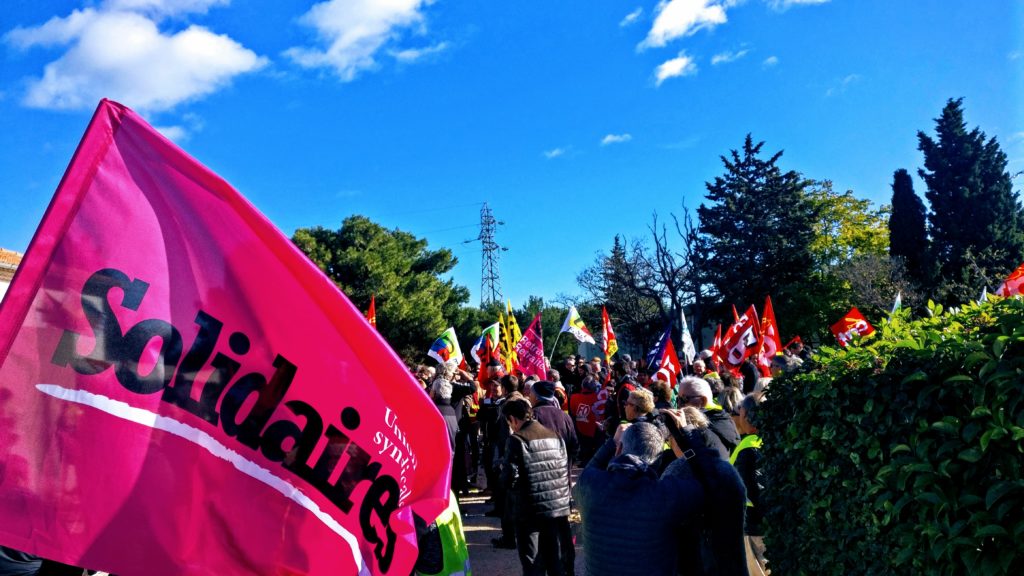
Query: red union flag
x,y
771,344
740,340
853,324
1013,284
184,393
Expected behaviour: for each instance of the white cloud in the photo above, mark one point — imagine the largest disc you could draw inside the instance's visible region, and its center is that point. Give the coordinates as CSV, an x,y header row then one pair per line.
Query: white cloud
x,y
841,86
680,18
554,153
353,31
1015,55
770,61
413,54
783,5
681,65
632,17
145,68
726,57
164,7
176,133
616,139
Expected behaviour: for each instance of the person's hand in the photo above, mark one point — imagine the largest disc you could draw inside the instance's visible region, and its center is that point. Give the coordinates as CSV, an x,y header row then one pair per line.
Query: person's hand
x,y
619,431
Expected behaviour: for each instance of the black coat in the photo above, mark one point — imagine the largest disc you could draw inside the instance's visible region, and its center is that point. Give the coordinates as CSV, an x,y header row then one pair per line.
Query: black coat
x,y
720,422
536,473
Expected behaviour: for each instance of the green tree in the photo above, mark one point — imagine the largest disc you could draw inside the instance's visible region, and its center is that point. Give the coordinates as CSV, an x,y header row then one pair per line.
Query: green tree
x,y
908,238
755,238
976,223
847,227
414,303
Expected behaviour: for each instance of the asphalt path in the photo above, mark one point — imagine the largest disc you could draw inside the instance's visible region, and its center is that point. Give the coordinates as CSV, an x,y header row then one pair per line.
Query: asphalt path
x,y
485,559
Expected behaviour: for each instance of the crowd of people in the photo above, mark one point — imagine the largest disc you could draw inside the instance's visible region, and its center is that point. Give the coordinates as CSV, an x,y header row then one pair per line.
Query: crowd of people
x,y
670,481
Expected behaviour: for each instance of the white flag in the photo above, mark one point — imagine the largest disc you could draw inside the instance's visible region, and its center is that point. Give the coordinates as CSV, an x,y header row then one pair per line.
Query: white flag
x,y
689,350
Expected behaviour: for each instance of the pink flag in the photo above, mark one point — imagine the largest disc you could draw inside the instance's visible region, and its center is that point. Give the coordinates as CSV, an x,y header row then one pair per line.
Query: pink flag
x,y
530,351
184,393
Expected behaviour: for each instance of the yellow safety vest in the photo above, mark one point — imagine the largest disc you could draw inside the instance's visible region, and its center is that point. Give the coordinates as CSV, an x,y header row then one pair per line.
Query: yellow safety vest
x,y
748,441
453,542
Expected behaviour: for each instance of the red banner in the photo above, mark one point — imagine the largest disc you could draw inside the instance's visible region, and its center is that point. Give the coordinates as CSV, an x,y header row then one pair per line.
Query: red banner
x,y
853,324
740,341
530,350
185,393
771,344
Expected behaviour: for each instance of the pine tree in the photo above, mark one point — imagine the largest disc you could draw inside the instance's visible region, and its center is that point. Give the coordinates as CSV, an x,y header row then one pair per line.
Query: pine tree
x,y
976,223
908,238
755,234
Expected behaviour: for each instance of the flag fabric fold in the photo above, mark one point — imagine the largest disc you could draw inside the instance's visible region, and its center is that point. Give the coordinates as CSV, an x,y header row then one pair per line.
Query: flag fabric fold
x,y
741,339
689,350
371,313
608,342
179,378
850,325
530,350
1013,283
771,344
574,325
511,335
446,348
491,335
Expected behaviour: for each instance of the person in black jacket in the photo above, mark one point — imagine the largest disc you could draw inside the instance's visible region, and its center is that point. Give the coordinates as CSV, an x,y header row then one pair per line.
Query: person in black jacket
x,y
536,475
747,460
696,392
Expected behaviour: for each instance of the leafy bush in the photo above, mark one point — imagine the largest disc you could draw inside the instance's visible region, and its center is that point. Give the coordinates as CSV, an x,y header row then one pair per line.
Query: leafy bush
x,y
902,454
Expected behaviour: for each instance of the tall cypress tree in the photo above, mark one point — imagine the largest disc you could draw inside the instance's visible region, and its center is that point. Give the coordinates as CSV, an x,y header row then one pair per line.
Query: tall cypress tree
x,y
907,234
976,223
755,234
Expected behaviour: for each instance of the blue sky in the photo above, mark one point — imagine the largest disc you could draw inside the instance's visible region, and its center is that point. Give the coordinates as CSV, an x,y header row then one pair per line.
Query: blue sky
x,y
575,121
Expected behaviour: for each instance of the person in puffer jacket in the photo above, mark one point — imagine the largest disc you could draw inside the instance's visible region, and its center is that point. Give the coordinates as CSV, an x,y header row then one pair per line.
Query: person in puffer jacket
x,y
536,475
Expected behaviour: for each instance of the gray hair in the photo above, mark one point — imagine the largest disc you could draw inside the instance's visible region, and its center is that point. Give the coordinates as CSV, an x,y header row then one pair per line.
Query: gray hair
x,y
699,386
446,370
750,403
762,385
644,441
695,417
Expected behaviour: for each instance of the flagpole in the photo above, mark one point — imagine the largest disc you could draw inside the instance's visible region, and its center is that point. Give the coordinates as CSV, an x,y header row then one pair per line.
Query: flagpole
x,y
552,355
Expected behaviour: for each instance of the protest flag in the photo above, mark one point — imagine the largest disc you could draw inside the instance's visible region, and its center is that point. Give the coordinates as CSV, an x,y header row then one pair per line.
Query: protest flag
x,y
491,336
669,367
771,344
1013,283
179,380
716,345
897,304
850,325
608,342
371,314
510,337
446,348
574,325
689,350
735,314
530,350
984,295
741,339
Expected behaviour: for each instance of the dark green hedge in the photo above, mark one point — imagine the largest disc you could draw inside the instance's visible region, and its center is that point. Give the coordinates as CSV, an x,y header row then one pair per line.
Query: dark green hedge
x,y
902,454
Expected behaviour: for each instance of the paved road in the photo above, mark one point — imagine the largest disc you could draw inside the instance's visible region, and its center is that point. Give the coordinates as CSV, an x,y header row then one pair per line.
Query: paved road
x,y
486,560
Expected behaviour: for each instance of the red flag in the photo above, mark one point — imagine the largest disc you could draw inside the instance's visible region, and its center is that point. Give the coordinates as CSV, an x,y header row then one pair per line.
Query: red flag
x,y
735,314
771,344
740,340
530,350
609,344
169,411
716,345
853,324
1013,283
489,352
669,368
371,314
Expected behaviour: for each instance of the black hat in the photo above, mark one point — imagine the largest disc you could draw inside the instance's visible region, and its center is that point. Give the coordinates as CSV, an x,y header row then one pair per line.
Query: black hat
x,y
544,389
